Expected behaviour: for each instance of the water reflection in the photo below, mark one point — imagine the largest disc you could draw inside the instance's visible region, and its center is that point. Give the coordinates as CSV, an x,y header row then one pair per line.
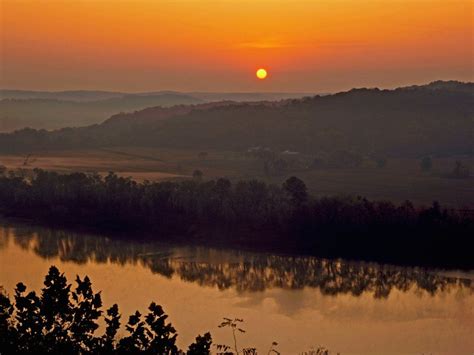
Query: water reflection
x,y
225,269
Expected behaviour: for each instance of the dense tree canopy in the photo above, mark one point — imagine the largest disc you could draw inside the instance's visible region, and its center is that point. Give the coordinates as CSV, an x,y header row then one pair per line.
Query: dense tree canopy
x,y
247,213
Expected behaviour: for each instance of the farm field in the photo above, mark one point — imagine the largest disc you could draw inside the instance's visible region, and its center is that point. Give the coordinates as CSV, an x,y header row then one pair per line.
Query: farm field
x,y
399,180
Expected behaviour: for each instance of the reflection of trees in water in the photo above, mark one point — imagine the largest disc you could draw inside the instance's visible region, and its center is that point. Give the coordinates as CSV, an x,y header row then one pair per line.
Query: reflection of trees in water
x,y
225,269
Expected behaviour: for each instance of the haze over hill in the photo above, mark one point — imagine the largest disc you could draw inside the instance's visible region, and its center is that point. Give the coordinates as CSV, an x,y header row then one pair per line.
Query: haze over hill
x,y
412,121
54,110
95,95
54,113
68,95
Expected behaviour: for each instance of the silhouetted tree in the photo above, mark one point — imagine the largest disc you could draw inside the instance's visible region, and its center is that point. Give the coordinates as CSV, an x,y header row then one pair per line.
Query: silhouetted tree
x,y
112,321
29,323
8,335
297,190
201,346
62,321
86,311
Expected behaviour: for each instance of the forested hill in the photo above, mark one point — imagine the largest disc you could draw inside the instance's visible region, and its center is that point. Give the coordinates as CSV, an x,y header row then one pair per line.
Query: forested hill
x,y
413,121
55,110
52,113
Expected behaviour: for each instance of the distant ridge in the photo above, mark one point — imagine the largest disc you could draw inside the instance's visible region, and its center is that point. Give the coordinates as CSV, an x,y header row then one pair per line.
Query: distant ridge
x,y
97,95
94,95
432,119
451,85
72,95
54,110
54,113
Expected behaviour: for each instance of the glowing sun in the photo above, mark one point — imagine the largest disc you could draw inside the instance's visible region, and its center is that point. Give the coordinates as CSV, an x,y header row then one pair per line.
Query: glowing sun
x,y
261,73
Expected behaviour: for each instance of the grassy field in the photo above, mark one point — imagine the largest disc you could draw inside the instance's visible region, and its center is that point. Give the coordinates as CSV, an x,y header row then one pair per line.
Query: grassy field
x,y
399,180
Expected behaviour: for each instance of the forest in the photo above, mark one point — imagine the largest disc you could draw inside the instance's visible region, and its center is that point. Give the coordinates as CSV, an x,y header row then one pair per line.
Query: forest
x,y
430,120
249,214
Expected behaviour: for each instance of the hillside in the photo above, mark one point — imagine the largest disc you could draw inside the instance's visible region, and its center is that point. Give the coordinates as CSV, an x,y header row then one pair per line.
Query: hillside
x,y
90,95
435,119
54,113
58,109
70,95
247,96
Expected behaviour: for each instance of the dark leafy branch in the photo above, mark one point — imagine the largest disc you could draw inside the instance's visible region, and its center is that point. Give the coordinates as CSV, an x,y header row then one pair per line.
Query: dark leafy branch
x,y
62,320
65,321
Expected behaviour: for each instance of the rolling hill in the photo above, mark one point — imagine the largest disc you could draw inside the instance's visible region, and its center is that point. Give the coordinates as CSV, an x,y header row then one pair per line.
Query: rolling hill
x,y
434,119
54,110
54,113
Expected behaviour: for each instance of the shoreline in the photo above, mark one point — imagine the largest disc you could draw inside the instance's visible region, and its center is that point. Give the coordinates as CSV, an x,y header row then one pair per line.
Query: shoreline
x,y
196,241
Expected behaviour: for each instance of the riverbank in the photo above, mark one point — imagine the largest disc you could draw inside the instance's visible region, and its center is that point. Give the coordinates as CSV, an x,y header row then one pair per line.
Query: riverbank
x,y
248,215
244,244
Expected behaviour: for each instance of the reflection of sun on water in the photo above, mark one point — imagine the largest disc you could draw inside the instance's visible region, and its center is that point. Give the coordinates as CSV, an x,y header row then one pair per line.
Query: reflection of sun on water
x,y
324,306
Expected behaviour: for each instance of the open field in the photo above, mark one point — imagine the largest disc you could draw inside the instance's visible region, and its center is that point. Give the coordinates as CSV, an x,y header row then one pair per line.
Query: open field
x,y
399,180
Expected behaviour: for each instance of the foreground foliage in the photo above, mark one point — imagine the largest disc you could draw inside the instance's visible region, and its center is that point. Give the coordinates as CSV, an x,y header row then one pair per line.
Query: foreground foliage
x,y
247,213
62,320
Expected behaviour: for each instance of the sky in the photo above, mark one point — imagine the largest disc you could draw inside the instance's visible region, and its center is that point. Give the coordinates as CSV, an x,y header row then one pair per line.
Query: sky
x,y
210,45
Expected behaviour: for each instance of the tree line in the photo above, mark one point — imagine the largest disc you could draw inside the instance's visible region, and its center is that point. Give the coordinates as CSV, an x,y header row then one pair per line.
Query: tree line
x,y
248,213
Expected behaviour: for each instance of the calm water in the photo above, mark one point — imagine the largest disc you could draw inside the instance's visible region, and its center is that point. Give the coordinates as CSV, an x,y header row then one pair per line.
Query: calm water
x,y
300,302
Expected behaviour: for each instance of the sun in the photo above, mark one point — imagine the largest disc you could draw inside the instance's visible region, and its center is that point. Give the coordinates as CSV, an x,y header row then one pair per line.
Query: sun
x,y
261,73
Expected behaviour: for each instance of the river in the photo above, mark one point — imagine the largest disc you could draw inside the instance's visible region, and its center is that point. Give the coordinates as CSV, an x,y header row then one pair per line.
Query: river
x,y
300,302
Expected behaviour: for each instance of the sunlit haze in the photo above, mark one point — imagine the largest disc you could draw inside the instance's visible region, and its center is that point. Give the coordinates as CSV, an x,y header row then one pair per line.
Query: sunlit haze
x,y
307,46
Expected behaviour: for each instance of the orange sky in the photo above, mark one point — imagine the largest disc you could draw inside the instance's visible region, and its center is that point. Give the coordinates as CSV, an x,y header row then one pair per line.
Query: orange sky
x,y
210,45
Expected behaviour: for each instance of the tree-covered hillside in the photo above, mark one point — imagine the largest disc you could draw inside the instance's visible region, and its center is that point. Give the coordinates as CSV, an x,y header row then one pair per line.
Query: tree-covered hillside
x,y
42,113
415,121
